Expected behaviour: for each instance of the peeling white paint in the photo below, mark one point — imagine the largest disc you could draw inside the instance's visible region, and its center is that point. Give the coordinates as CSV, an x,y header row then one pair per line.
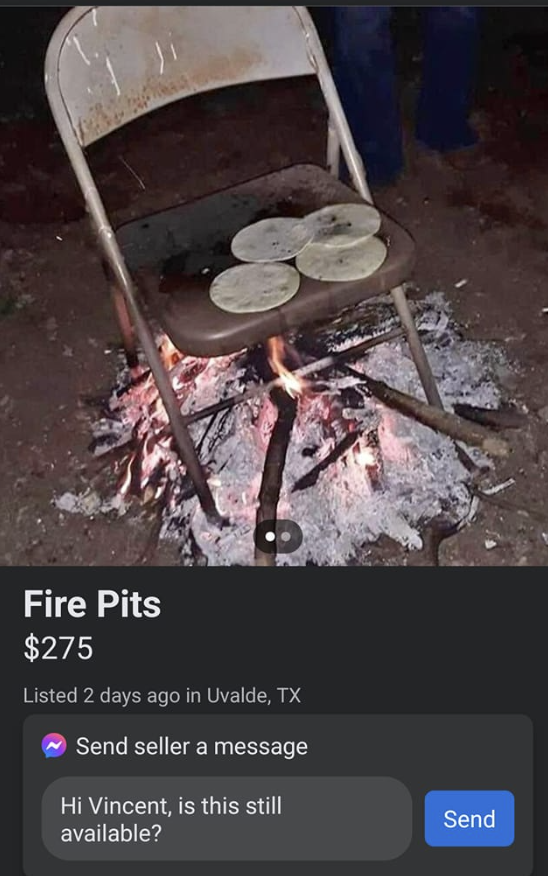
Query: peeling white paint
x,y
94,16
172,47
81,51
161,57
112,76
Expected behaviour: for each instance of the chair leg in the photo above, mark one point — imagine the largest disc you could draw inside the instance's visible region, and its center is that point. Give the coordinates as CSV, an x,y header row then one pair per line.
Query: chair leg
x,y
140,328
179,428
126,328
417,350
333,151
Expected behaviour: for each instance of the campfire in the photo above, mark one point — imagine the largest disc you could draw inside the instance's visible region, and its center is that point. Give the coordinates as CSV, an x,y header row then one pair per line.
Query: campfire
x,y
319,443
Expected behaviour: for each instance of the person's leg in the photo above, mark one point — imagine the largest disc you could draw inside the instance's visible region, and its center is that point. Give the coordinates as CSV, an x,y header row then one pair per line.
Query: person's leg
x,y
365,76
451,42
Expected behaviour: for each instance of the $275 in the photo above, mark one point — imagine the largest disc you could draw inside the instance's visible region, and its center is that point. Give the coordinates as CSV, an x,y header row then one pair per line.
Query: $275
x,y
57,647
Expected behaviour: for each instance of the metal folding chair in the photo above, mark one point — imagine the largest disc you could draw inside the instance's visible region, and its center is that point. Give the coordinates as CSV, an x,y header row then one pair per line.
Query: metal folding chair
x,y
108,65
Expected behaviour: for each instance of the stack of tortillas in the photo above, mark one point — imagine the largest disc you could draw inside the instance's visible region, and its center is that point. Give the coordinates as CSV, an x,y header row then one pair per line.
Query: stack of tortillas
x,y
334,244
344,246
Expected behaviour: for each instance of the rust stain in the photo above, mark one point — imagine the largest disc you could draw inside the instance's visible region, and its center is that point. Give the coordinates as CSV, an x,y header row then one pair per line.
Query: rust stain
x,y
105,116
235,68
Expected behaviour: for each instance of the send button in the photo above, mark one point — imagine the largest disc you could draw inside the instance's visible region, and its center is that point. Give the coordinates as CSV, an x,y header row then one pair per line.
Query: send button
x,y
469,818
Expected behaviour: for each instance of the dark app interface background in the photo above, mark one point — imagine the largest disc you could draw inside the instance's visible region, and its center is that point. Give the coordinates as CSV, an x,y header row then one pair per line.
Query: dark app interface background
x,y
269,728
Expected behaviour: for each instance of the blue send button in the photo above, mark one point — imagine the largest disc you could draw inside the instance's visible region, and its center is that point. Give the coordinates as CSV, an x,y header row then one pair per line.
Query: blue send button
x,y
469,818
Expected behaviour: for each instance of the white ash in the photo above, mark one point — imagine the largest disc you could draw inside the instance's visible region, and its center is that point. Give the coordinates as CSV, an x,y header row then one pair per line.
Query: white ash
x,y
90,503
498,488
423,476
341,513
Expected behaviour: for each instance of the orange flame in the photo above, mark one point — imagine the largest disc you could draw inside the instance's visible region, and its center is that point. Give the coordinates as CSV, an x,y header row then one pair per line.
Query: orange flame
x,y
292,384
169,352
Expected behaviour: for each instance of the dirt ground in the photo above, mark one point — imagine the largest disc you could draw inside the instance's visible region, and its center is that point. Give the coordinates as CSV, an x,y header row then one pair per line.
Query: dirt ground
x,y
486,225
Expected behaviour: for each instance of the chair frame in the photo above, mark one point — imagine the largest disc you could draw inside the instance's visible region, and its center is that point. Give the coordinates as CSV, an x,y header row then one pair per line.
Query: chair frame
x,y
128,307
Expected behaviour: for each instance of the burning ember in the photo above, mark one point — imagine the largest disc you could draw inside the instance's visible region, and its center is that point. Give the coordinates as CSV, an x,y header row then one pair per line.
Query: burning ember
x,y
153,470
364,456
292,384
354,470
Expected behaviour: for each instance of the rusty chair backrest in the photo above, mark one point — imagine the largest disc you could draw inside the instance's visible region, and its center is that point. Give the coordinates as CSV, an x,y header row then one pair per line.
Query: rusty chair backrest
x,y
111,64
108,65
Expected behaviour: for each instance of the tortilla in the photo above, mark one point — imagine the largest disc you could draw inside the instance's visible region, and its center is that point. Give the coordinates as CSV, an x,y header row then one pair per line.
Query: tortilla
x,y
333,264
343,224
271,240
254,288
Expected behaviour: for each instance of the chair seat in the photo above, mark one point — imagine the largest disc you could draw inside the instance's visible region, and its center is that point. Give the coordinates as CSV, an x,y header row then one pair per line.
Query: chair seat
x,y
174,255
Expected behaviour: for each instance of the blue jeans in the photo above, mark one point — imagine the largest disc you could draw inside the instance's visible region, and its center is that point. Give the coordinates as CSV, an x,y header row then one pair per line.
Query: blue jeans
x,y
365,75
